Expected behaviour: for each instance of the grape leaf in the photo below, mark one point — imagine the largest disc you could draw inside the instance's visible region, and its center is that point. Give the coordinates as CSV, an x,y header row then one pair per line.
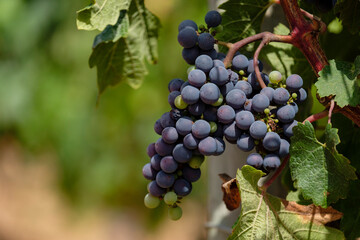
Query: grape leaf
x,y
264,216
340,80
100,13
242,19
317,168
349,11
120,50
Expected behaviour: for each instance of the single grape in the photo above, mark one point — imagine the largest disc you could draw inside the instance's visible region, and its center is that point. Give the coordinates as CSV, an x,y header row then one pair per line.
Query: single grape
x,y
190,94
175,84
184,85
206,41
285,114
288,128
151,201
155,189
157,127
175,213
236,98
219,75
233,76
252,79
196,161
218,63
248,105
210,114
271,162
184,125
163,148
165,180
284,148
187,23
155,162
190,142
240,62
226,114
209,93
196,109
281,96
151,150
176,114
204,63
171,98
251,69
245,142
244,119
168,164
201,129
170,198
170,135
213,19
181,154
191,174
166,120
258,129
182,187
294,82
148,172
271,141
275,77
231,132
226,88
245,87
255,160
179,102
187,37
207,146
269,92
197,77
190,54
302,95
295,106
260,102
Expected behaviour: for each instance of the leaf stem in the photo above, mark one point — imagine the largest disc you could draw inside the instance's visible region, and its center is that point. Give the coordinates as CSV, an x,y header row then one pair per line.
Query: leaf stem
x,y
316,116
332,105
277,173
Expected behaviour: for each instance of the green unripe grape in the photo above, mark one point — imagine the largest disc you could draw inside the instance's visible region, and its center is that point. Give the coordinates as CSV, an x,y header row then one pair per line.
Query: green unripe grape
x,y
213,127
175,213
276,120
196,161
151,201
190,69
179,102
219,101
241,72
267,111
294,95
275,77
170,198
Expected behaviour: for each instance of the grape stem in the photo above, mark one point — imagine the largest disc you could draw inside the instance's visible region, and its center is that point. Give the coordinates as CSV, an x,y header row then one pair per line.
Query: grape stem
x,y
256,65
316,116
276,174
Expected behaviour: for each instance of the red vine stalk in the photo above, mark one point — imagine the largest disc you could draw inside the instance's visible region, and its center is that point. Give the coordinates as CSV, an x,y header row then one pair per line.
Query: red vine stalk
x,y
316,116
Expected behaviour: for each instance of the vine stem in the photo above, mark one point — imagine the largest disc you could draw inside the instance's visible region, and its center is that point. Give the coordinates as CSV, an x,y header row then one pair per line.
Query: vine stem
x,y
316,116
332,105
277,173
256,64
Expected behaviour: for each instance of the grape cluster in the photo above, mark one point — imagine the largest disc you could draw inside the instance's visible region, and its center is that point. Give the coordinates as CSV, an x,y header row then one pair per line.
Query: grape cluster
x,y
217,103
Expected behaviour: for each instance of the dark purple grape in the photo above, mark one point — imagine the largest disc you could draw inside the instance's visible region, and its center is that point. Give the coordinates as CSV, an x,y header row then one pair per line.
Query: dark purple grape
x,y
170,135
148,172
252,79
187,37
163,148
187,23
176,114
218,63
171,98
151,150
190,94
210,114
281,96
182,187
204,63
157,127
200,129
251,69
286,114
236,98
260,102
220,146
248,105
255,160
240,62
209,93
213,18
269,92
245,142
245,87
190,54
271,162
225,89
155,189
226,114
231,132
288,128
155,162
244,119
301,95
284,148
166,120
294,82
165,180
191,142
258,129
184,125
196,109
181,154
271,141
191,174
207,146
175,84
211,53
219,75
295,106
233,76
197,77
206,41
168,164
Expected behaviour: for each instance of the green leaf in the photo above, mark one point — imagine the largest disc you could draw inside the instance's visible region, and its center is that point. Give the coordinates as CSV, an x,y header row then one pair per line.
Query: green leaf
x,y
319,171
242,19
121,49
100,13
349,11
264,216
340,80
